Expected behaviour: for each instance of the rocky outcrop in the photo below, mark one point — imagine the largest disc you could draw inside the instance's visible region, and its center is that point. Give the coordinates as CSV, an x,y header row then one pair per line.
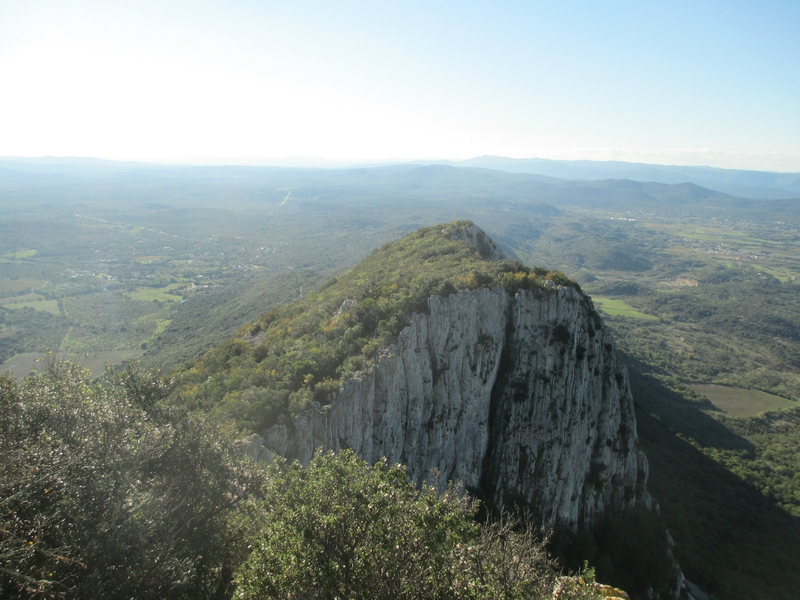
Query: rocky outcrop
x,y
521,397
477,238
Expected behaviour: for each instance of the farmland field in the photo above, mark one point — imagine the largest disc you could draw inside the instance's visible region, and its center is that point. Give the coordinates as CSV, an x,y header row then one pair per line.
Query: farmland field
x,y
20,365
19,254
739,402
160,294
620,308
13,286
34,301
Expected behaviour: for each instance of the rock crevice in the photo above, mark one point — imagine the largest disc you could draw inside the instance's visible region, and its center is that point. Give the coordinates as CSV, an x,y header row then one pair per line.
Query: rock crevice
x,y
520,397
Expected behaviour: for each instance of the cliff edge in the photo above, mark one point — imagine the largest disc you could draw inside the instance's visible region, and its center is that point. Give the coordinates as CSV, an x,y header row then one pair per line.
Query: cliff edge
x,y
520,397
469,366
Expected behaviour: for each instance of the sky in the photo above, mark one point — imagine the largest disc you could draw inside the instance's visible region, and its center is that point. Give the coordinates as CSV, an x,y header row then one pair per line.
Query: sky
x,y
253,82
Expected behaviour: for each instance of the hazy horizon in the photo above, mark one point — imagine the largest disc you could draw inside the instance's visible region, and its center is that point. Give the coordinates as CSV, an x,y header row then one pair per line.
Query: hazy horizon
x,y
257,82
321,162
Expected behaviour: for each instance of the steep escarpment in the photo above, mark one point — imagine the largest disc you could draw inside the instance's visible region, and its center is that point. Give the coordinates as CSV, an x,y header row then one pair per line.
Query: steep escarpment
x,y
438,354
520,397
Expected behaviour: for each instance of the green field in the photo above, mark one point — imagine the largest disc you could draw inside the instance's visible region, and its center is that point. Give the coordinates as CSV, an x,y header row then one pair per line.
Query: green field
x,y
161,325
738,402
12,286
149,294
783,274
153,319
619,308
23,253
34,301
20,365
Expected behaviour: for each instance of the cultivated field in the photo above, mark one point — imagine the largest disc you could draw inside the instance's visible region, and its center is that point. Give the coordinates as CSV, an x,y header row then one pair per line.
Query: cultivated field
x,y
21,365
13,286
739,402
34,301
619,308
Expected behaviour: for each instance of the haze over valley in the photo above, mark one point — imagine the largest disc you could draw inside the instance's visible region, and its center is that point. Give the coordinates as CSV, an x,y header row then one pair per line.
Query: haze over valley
x,y
102,265
367,300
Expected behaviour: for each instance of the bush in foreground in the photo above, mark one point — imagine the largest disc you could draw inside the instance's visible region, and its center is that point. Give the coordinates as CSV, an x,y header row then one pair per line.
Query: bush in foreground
x,y
107,492
342,529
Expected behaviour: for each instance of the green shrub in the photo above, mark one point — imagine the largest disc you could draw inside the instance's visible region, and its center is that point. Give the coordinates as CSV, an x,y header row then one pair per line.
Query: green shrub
x,y
108,492
342,529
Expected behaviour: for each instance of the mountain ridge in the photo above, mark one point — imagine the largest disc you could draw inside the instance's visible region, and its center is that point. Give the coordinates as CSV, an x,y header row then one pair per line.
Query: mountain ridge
x,y
438,353
751,184
773,185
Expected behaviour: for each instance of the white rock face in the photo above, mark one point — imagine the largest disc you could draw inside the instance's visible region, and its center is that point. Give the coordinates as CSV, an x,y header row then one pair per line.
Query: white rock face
x,y
475,237
522,398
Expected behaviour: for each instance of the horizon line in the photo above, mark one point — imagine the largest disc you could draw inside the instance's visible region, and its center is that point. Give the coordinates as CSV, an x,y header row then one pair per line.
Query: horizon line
x,y
332,163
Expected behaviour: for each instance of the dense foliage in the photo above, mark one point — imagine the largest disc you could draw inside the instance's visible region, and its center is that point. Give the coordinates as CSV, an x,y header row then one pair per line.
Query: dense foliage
x,y
342,529
302,351
28,330
773,464
108,492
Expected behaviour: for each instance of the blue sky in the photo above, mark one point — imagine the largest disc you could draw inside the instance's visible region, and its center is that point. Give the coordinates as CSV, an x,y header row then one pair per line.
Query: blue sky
x,y
218,82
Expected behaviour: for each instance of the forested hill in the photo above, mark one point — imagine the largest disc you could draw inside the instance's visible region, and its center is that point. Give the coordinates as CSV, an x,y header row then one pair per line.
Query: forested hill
x,y
302,351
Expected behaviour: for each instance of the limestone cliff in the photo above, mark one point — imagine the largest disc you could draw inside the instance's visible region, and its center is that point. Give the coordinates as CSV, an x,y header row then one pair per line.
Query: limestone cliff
x,y
520,396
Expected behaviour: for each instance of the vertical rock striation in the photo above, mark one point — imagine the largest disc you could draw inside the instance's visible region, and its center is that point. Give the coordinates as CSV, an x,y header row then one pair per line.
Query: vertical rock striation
x,y
521,397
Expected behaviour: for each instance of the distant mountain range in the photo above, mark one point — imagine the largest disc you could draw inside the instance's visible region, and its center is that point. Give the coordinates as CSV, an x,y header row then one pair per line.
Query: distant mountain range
x,y
744,184
758,185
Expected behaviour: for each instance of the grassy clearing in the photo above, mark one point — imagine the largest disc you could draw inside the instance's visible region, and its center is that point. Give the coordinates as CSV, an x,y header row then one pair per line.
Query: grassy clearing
x,y
34,301
739,402
618,308
783,274
97,361
150,294
152,319
13,286
21,365
23,253
161,325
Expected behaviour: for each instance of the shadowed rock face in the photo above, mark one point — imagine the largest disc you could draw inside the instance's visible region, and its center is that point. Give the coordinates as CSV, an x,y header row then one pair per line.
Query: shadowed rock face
x,y
519,397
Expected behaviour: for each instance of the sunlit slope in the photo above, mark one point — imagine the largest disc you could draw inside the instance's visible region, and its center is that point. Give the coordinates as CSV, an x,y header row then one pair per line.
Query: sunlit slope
x,y
303,350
